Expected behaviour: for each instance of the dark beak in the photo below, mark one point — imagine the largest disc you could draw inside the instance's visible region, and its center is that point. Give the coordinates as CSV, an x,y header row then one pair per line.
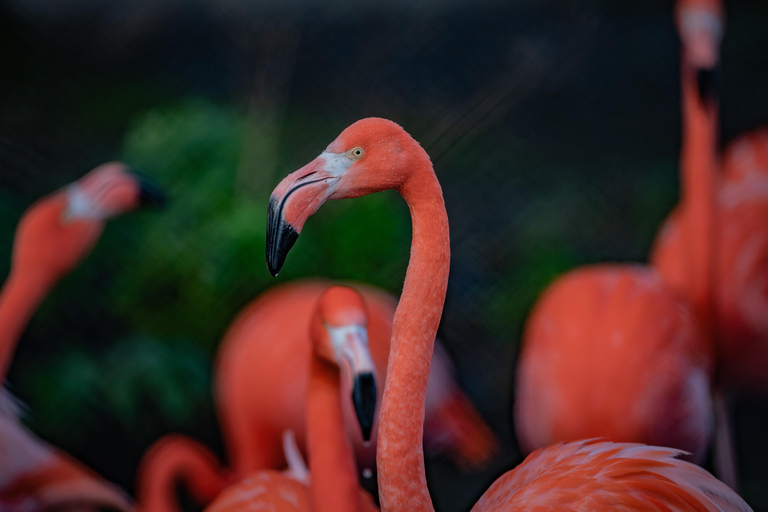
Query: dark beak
x,y
364,399
150,194
707,80
280,236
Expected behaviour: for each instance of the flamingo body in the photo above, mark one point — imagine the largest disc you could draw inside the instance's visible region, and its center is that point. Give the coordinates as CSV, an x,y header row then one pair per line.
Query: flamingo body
x,y
741,295
396,161
609,352
589,476
338,339
261,383
274,491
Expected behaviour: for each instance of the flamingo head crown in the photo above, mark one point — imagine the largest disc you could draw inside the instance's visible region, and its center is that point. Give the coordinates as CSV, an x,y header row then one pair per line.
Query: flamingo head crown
x,y
59,230
700,25
369,156
340,337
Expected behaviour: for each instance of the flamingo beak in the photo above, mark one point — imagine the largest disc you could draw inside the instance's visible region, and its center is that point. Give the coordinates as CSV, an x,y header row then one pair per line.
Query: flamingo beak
x,y
150,194
292,202
364,400
351,346
708,83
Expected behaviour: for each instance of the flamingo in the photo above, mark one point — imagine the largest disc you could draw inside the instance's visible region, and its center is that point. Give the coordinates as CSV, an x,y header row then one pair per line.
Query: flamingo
x,y
53,236
261,392
734,306
339,339
373,155
610,350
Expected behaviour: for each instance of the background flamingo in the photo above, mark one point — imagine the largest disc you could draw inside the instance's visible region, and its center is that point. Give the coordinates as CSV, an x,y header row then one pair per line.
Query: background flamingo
x,y
610,351
740,299
374,155
339,352
54,235
261,392
735,307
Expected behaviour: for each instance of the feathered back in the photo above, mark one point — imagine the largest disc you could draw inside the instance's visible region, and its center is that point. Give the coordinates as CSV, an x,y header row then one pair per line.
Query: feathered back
x,y
598,475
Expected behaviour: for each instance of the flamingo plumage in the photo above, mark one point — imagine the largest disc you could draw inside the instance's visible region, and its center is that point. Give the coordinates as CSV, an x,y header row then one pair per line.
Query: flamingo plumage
x,y
54,235
260,389
374,155
339,352
611,350
740,298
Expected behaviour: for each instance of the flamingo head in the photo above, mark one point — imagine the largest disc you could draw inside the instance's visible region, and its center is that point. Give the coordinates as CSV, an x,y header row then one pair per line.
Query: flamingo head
x,y
340,337
700,25
58,231
369,156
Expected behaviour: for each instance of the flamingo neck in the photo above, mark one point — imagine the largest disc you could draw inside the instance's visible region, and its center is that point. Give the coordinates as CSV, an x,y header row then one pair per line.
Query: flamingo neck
x,y
21,294
333,484
699,185
186,463
400,458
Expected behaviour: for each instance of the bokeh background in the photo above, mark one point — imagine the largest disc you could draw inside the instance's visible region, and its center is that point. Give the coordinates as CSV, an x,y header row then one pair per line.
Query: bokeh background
x,y
554,127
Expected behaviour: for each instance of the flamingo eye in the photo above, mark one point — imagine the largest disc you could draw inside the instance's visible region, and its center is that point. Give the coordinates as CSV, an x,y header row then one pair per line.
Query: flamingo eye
x,y
356,153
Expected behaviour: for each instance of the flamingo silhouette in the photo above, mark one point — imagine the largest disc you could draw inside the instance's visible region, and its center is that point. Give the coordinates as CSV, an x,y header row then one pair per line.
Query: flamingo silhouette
x,y
339,350
374,155
54,235
261,392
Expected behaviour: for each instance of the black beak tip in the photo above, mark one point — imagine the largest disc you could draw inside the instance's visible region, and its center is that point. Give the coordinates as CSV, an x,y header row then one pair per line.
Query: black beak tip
x,y
707,82
364,399
280,238
150,194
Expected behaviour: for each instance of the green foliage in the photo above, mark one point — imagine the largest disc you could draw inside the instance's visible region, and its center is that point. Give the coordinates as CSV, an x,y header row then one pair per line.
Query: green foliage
x,y
197,263
72,394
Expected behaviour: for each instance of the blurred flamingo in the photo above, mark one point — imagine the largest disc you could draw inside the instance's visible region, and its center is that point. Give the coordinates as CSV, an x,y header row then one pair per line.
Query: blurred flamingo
x,y
609,350
374,155
339,351
261,392
735,307
54,235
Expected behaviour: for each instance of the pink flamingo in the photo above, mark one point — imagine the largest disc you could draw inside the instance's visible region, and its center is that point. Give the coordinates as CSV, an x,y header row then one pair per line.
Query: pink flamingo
x,y
374,155
611,351
338,333
54,235
261,392
734,307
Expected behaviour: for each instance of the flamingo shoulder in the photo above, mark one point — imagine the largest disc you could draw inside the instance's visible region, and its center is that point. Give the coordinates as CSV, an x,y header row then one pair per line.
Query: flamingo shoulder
x,y
599,475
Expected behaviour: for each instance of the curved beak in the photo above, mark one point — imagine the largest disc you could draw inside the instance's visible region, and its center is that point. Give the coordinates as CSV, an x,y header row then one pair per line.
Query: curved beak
x,y
292,202
150,194
351,346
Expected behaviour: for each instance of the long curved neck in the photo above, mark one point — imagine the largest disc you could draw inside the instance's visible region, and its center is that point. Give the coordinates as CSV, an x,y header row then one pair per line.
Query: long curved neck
x,y
175,460
698,167
22,293
400,458
334,486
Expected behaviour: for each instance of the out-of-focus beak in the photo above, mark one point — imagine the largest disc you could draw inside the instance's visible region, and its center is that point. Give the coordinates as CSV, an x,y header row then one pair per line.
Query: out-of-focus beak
x,y
708,83
364,400
292,202
351,346
150,194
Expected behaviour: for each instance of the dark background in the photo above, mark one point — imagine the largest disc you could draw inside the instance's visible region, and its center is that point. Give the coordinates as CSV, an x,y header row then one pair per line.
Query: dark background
x,y
554,128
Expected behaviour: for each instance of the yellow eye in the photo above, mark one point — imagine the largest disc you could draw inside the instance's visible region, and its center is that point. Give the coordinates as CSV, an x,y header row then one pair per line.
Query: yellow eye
x,y
356,153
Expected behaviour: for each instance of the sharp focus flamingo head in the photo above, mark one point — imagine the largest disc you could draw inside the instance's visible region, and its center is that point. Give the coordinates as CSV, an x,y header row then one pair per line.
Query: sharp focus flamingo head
x,y
340,337
369,156
700,25
58,231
